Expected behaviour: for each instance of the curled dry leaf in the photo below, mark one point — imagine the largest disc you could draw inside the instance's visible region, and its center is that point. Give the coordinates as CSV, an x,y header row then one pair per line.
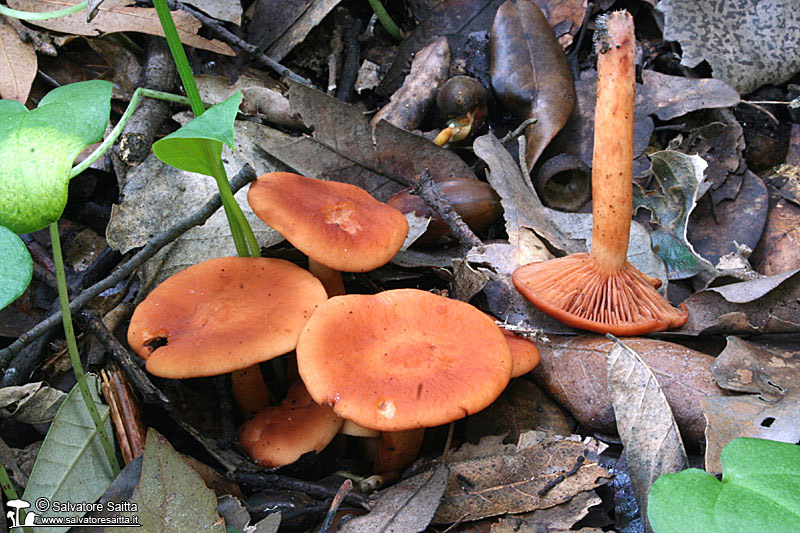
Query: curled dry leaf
x,y
538,473
411,102
747,416
746,367
530,74
573,371
648,431
116,16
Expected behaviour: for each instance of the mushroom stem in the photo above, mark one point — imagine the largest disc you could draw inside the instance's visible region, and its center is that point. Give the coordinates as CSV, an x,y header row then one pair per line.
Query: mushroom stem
x,y
397,450
331,278
249,390
612,161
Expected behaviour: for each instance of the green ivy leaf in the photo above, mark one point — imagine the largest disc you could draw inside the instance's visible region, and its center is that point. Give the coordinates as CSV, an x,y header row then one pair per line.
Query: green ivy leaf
x,y
16,267
38,147
197,146
759,491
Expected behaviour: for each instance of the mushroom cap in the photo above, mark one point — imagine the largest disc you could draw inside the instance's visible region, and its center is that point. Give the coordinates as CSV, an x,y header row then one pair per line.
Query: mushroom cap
x,y
575,291
338,224
279,435
402,359
222,315
524,353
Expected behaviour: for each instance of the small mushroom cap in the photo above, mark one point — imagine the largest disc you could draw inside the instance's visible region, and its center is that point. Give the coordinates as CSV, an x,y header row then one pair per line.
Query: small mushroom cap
x,y
402,359
339,225
524,353
575,291
279,435
222,315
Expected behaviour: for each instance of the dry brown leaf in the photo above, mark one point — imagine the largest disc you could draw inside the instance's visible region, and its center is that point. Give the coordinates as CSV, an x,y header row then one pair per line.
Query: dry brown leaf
x,y
454,19
668,96
746,367
306,20
573,371
522,407
342,147
533,476
405,507
779,247
560,517
530,74
410,103
18,64
115,16
764,305
648,431
747,416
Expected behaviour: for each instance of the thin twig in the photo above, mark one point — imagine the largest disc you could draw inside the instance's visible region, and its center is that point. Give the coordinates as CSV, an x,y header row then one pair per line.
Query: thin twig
x,y
234,40
561,477
246,175
426,188
91,321
347,485
268,480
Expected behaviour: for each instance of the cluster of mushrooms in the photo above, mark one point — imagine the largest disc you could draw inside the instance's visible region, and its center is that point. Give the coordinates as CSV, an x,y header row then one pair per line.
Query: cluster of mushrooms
x,y
396,362
391,363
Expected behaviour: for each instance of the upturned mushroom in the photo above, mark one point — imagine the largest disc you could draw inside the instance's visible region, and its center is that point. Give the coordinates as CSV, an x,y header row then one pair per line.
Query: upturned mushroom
x,y
222,315
601,291
339,226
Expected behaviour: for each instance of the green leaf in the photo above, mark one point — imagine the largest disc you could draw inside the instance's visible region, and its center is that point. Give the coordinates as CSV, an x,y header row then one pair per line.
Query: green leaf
x,y
38,147
170,495
71,465
759,491
16,267
678,184
197,146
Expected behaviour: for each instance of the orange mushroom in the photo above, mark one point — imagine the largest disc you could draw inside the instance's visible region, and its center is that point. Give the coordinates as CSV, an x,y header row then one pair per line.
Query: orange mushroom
x,y
524,353
279,435
340,227
402,359
601,291
222,315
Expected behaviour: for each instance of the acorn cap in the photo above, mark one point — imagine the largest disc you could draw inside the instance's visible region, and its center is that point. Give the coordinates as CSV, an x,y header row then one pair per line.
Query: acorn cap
x,y
279,435
575,291
222,315
402,359
337,224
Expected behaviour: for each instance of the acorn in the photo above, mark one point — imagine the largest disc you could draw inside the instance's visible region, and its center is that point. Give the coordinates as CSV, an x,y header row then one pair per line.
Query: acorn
x,y
462,102
475,202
